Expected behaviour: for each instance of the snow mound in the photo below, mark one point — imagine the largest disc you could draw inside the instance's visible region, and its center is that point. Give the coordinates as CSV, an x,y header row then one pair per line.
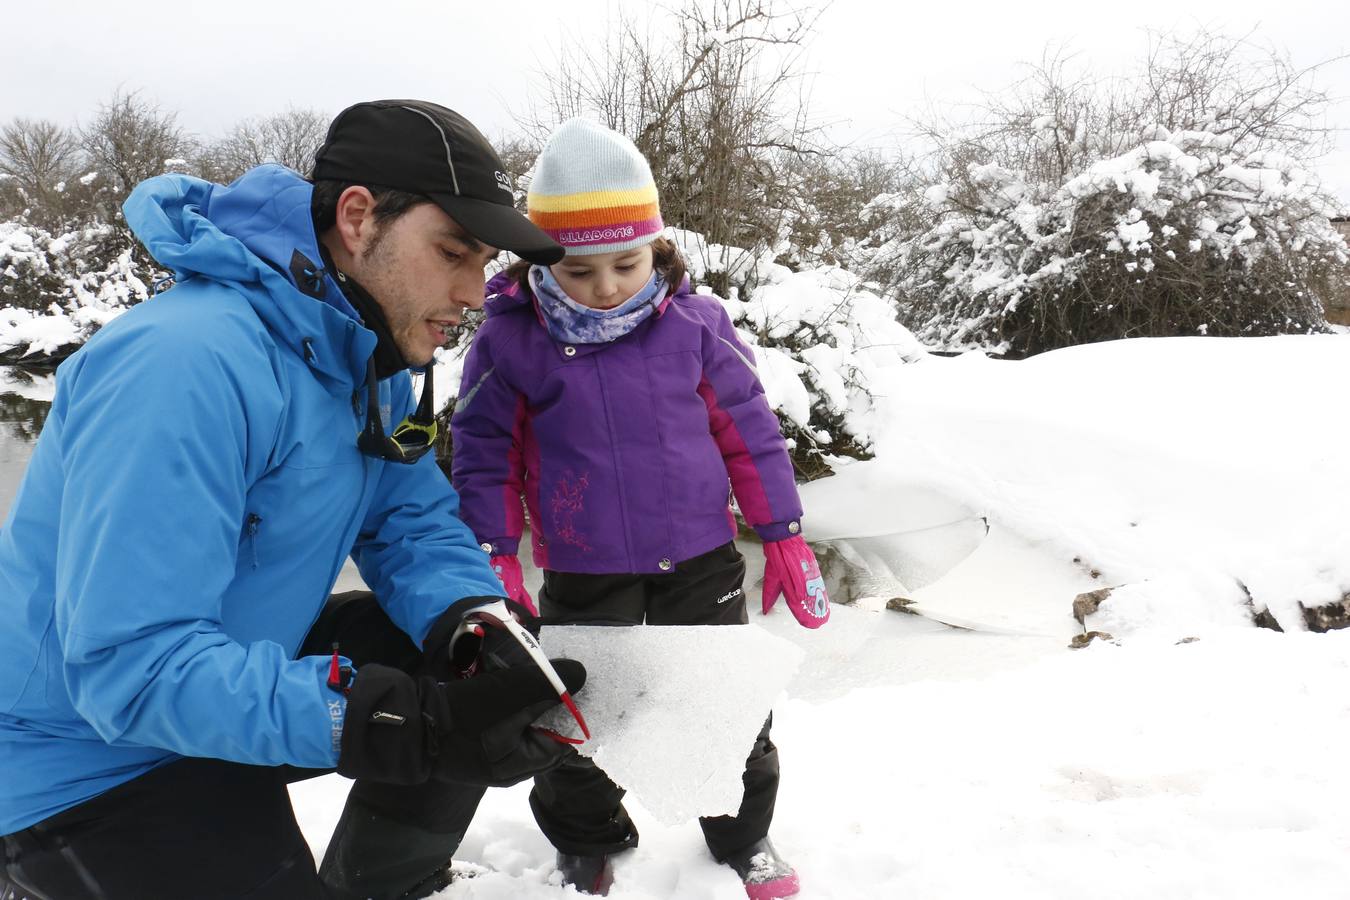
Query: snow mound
x,y
1206,473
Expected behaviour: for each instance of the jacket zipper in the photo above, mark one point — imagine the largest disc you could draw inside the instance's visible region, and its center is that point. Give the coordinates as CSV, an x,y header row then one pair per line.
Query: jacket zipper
x,y
251,525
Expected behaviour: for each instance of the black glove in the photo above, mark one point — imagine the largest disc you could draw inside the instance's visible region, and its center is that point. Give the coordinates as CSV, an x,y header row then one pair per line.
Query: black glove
x,y
495,650
403,730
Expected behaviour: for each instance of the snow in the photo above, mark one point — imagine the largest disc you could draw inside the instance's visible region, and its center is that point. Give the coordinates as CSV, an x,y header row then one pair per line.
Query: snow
x,y
1144,458
36,332
29,385
1190,755
1134,234
921,761
937,194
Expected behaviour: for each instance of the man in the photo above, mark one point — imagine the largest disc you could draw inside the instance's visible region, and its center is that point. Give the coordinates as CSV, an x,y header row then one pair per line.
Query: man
x,y
171,657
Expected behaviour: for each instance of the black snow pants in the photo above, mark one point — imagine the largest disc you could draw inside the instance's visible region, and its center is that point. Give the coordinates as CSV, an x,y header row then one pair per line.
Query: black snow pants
x,y
579,809
207,829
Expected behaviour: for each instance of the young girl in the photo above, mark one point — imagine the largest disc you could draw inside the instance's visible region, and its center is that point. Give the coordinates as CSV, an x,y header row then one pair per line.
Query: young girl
x,y
622,407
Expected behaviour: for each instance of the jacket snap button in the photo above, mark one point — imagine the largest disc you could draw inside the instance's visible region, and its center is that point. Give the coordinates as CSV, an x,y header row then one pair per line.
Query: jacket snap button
x,y
569,351
794,527
486,547
664,565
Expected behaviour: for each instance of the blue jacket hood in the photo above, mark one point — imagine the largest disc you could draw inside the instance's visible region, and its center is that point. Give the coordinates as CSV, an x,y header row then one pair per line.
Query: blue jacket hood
x,y
257,232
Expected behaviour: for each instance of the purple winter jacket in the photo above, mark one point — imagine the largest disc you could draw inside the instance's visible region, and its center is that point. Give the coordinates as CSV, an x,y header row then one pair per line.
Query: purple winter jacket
x,y
623,452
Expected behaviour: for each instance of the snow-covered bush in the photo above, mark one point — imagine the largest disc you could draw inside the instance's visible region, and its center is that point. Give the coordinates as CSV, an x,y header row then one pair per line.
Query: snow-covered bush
x,y
1179,235
57,290
1074,205
821,217
820,338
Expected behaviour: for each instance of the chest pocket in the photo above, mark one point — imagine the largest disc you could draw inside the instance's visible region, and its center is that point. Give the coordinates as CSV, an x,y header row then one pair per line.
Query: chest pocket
x,y
298,510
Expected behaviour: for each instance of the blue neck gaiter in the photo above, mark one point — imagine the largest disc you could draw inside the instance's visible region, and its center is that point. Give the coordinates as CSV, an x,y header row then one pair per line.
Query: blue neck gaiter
x,y
573,323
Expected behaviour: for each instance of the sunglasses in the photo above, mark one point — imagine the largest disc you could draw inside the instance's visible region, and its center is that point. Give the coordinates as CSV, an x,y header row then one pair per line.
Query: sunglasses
x,y
412,439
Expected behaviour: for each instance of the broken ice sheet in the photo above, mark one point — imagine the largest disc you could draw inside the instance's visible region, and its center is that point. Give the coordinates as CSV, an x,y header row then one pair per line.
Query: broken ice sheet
x,y
674,709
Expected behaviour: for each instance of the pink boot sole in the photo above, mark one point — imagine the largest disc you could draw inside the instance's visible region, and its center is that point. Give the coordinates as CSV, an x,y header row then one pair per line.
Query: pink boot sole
x,y
786,886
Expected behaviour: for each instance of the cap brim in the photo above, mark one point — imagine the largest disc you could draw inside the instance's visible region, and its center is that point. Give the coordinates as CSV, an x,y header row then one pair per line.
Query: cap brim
x,y
502,227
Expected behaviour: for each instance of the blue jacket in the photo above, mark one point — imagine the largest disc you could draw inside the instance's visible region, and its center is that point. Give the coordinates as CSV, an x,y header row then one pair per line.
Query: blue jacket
x,y
189,504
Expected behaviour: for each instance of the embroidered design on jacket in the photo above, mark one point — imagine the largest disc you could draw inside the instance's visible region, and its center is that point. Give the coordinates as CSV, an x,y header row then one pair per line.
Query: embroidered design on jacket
x,y
569,498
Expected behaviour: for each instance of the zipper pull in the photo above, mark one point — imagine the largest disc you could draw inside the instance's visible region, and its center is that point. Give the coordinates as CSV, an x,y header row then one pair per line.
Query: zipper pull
x,y
339,676
251,526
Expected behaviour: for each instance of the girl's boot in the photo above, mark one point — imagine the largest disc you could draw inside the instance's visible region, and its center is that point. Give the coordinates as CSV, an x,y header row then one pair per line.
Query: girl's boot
x,y
588,874
765,874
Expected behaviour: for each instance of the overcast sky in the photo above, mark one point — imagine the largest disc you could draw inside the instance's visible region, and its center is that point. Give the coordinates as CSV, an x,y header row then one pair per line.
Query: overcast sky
x,y
872,65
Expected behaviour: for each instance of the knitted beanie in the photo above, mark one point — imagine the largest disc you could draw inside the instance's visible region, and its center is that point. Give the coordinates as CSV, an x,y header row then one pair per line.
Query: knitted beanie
x,y
593,192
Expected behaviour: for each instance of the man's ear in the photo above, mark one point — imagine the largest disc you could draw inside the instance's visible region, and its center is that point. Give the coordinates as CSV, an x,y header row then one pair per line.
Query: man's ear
x,y
355,224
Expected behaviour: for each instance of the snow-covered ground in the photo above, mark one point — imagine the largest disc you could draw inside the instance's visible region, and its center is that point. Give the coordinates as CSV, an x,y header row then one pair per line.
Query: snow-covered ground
x,y
1194,756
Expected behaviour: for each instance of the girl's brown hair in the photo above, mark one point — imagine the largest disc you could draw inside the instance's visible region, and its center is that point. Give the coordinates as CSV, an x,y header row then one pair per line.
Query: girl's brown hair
x,y
666,259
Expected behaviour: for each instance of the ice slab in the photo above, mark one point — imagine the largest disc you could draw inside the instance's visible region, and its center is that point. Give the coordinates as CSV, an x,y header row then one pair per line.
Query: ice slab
x,y
868,499
899,564
1009,585
675,709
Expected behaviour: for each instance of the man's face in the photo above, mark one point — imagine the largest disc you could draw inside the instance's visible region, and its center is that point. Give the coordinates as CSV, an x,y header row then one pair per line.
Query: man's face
x,y
424,271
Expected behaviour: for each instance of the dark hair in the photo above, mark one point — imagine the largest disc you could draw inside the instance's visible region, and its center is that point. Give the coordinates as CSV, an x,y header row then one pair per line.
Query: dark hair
x,y
666,259
389,203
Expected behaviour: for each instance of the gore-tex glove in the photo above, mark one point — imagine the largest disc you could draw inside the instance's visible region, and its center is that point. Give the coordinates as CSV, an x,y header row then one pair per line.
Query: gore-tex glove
x,y
477,730
513,580
790,570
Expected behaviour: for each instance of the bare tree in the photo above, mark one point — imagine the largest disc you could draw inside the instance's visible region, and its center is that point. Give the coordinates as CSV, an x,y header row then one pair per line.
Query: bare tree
x,y
39,156
708,95
1059,119
518,154
12,197
132,139
289,138
824,216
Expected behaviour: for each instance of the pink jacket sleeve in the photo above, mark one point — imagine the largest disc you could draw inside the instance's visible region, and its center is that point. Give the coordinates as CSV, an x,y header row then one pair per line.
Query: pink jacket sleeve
x,y
747,433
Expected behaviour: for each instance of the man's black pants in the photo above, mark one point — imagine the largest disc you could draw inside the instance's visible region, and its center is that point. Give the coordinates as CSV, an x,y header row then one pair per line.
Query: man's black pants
x,y
579,809
201,829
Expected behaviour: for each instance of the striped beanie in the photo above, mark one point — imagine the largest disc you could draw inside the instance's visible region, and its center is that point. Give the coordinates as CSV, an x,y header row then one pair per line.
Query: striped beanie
x,y
593,192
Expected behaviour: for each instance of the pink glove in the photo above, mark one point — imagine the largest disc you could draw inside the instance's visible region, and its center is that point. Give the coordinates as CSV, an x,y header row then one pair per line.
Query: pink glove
x,y
513,580
790,569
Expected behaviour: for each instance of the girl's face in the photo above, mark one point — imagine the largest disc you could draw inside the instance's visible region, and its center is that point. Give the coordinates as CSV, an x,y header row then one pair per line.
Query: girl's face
x,y
604,280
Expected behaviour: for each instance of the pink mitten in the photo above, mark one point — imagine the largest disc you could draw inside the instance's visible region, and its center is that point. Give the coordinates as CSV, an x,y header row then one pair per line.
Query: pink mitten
x,y
790,569
513,580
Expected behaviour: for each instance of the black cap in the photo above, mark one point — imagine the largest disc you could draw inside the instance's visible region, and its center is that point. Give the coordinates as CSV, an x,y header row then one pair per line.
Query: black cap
x,y
424,148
